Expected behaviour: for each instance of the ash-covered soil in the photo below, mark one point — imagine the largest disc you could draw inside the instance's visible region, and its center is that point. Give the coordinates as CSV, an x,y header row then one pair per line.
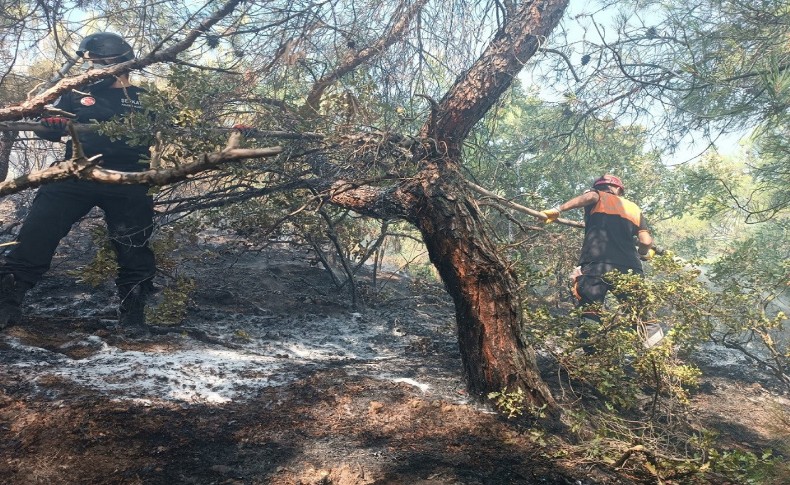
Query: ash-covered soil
x,y
273,379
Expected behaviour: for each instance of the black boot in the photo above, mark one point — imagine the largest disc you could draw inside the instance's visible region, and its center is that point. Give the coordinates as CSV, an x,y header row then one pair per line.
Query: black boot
x,y
131,312
12,293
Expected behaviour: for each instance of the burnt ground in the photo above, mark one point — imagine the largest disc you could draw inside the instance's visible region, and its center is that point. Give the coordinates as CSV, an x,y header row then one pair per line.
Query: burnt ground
x,y
273,379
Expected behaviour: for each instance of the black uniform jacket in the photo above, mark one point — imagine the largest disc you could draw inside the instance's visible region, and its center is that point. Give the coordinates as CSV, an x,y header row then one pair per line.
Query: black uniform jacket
x,y
91,105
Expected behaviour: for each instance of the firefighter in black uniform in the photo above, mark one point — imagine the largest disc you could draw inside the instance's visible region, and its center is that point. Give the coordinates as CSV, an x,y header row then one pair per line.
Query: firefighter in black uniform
x,y
613,224
128,209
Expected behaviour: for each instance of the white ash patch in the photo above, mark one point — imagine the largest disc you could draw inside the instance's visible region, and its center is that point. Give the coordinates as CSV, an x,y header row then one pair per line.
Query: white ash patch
x,y
264,353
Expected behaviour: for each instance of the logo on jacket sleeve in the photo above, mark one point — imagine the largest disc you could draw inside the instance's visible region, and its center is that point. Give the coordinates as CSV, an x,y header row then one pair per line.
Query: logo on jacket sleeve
x,y
88,101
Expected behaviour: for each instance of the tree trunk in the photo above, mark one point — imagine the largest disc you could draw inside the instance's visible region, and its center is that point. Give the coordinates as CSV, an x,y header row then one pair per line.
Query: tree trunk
x,y
494,350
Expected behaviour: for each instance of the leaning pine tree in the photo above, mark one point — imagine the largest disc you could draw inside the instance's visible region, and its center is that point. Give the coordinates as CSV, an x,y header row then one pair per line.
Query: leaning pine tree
x,y
437,201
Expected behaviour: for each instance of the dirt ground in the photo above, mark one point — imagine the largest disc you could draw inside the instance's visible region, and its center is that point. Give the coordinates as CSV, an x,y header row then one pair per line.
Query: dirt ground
x,y
273,379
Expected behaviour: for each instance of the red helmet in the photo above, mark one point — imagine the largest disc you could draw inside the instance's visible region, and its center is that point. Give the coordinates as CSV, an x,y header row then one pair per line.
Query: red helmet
x,y
609,180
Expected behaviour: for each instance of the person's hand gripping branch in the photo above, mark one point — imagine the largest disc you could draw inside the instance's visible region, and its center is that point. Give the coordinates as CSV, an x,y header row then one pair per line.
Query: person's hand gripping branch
x,y
55,123
52,127
651,252
551,214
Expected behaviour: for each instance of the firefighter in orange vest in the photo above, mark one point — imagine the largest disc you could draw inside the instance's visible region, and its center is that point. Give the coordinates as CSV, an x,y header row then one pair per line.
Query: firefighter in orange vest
x,y
613,224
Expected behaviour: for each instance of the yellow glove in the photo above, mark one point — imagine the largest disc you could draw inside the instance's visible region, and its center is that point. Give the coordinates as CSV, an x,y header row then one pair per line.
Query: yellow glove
x,y
551,215
647,257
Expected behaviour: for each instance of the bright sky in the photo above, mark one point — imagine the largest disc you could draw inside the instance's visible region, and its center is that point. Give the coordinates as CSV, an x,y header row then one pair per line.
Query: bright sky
x,y
578,22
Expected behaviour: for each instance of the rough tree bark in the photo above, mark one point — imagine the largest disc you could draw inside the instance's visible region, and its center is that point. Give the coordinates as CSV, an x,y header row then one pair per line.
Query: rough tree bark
x,y
494,350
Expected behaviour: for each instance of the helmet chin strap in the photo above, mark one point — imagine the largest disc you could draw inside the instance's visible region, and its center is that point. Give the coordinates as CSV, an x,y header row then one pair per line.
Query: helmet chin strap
x,y
91,64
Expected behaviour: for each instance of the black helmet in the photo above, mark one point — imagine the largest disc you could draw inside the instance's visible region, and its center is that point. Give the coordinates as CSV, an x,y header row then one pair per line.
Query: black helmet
x,y
106,45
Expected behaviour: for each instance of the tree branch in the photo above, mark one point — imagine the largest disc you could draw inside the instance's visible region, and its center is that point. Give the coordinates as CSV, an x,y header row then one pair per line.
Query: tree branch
x,y
12,126
564,58
475,92
376,202
354,59
86,169
526,210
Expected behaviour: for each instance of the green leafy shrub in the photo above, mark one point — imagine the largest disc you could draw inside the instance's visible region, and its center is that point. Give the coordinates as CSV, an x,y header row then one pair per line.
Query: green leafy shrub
x,y
174,299
640,419
173,306
514,403
104,264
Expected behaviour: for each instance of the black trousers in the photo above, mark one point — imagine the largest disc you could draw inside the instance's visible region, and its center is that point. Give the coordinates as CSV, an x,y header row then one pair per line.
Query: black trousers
x,y
128,211
591,287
